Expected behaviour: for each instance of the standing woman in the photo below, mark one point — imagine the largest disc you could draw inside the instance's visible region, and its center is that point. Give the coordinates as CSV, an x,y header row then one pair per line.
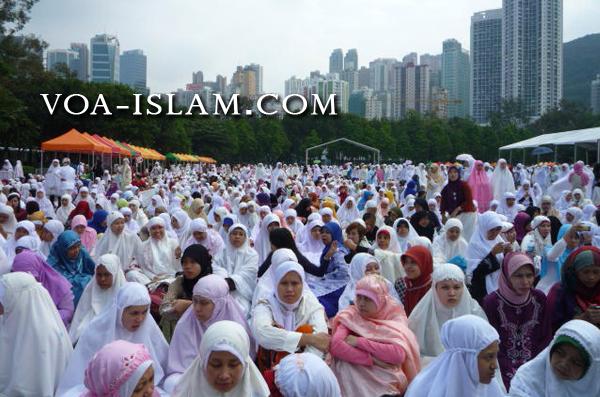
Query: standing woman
x,y
374,351
30,329
196,263
224,366
238,264
71,259
516,310
418,266
98,294
457,201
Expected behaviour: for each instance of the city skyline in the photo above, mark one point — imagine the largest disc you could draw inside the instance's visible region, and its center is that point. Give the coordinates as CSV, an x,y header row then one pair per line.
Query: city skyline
x,y
415,29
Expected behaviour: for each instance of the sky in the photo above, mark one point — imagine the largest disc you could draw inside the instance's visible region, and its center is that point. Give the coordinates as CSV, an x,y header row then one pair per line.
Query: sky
x,y
286,37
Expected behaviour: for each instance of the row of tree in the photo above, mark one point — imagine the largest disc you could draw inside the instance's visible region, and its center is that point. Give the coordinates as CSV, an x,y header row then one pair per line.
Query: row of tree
x,y
25,120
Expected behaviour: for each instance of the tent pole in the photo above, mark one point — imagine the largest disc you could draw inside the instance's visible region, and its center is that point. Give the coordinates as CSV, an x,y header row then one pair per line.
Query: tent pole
x,y
523,156
42,162
574,153
598,151
556,153
510,156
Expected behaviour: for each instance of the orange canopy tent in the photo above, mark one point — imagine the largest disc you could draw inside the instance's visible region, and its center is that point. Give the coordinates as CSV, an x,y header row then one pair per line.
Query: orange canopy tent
x,y
74,141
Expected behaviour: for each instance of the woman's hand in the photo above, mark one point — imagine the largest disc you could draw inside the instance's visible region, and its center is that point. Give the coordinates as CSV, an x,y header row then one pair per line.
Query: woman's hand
x,y
592,315
181,305
178,253
332,250
351,340
319,341
498,249
350,244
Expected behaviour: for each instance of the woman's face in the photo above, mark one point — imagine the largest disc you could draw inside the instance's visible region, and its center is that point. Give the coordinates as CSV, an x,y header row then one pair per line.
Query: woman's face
x,y
45,235
217,217
567,362
365,305
453,174
223,371
411,268
64,202
145,386
511,235
117,226
199,236
383,241
326,218
289,288
191,268
544,228
522,280
14,202
174,223
569,218
572,240
133,317
104,278
79,229
510,202
73,251
424,221
349,204
290,220
589,275
493,233
354,235
453,233
203,308
126,218
449,292
402,230
372,268
157,232
315,232
487,363
237,237
20,232
326,237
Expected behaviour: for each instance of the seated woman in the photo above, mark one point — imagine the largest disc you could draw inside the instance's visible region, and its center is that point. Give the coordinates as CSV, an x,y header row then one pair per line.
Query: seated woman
x,y
196,263
405,233
238,264
71,259
98,221
577,295
223,367
569,366
362,265
31,330
49,233
98,293
387,251
448,298
119,241
450,244
282,238
329,288
126,319
22,229
120,368
160,253
301,375
261,243
356,240
289,319
208,237
374,352
212,303
484,255
516,310
417,263
57,286
568,240
468,365
86,234
310,243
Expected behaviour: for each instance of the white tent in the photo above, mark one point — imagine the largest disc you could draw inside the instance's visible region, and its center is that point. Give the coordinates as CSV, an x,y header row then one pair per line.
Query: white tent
x,y
588,138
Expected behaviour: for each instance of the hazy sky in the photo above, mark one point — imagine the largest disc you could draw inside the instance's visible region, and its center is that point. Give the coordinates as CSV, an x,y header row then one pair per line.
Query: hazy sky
x,y
286,37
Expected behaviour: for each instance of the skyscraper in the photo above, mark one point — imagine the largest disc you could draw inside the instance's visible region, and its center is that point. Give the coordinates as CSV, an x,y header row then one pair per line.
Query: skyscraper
x,y
134,70
294,85
455,78
486,64
411,89
351,60
54,58
258,75
381,74
595,98
198,77
532,53
105,65
81,65
336,61
413,58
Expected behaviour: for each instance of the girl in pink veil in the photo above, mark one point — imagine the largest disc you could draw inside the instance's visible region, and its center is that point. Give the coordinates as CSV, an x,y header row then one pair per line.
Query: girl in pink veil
x,y
481,187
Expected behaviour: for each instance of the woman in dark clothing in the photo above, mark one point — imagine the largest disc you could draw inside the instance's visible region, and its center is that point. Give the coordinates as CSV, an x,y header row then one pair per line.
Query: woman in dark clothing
x,y
282,238
356,241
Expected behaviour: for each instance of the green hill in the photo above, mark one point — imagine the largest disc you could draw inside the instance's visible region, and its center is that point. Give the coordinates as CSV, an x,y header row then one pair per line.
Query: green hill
x,y
582,64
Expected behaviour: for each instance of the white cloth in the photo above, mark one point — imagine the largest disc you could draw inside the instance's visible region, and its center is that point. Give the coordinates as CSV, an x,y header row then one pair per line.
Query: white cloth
x,y
347,215
303,375
480,247
126,245
443,248
108,327
241,265
404,243
34,344
158,256
63,211
536,378
262,244
455,371
223,336
502,180
428,317
94,299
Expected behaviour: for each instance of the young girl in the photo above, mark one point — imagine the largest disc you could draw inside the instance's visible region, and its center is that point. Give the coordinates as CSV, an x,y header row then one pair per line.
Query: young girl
x,y
388,253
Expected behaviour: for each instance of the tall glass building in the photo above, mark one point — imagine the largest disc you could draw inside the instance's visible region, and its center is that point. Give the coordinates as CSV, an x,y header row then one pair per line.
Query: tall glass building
x,y
105,58
133,71
456,78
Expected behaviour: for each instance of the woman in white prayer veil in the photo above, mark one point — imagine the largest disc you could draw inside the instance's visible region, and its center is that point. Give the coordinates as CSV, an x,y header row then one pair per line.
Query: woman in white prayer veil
x,y
64,209
348,212
262,244
225,344
304,374
160,253
180,221
52,179
44,203
119,241
448,298
8,222
127,319
449,243
34,343
538,377
238,264
468,365
98,293
502,180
